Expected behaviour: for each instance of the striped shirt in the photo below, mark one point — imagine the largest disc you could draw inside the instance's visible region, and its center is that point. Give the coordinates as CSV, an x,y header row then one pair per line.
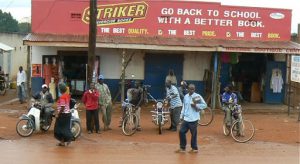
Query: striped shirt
x,y
175,97
64,101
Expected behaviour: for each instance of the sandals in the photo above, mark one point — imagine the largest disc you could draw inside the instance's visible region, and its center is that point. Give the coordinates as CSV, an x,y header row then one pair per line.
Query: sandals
x,y
60,144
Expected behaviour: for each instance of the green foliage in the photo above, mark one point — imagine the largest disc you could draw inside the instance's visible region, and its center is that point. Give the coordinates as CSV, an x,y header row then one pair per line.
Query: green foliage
x,y
24,27
8,23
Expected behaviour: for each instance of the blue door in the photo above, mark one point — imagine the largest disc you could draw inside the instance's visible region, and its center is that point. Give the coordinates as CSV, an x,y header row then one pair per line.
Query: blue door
x,y
270,95
156,69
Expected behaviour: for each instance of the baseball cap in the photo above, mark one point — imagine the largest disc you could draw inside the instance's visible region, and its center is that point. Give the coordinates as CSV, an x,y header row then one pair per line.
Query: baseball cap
x,y
44,86
101,77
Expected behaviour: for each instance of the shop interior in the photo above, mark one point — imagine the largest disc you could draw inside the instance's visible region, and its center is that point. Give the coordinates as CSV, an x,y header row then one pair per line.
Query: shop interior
x,y
69,67
246,72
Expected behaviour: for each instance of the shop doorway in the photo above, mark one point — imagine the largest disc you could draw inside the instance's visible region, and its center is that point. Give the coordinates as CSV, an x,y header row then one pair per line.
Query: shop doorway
x,y
74,69
247,75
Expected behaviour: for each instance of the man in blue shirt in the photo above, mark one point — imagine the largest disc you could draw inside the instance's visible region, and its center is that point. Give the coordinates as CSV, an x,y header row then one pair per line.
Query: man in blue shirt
x,y
228,98
192,104
175,104
229,105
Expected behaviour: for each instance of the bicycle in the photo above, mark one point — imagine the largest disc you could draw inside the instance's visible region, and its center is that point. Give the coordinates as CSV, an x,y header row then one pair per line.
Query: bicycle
x,y
241,130
206,116
130,120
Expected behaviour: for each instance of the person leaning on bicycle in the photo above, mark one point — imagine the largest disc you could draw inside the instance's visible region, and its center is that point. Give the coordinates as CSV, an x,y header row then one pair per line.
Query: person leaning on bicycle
x,y
229,104
135,97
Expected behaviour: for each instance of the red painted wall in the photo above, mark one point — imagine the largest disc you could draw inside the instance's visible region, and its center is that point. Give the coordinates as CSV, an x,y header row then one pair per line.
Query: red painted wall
x,y
163,18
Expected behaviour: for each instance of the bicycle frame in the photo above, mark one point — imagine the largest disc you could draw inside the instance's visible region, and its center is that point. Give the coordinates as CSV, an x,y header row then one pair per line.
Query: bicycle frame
x,y
129,119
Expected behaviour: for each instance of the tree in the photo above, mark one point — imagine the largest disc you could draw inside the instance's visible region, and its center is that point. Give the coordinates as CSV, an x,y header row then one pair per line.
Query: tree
x,y
24,27
8,23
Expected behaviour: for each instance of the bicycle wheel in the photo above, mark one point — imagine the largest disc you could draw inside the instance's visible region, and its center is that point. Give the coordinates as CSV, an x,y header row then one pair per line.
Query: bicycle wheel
x,y
206,117
129,125
245,133
226,129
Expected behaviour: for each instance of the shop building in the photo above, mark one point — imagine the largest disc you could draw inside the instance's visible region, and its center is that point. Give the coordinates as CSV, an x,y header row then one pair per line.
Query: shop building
x,y
205,43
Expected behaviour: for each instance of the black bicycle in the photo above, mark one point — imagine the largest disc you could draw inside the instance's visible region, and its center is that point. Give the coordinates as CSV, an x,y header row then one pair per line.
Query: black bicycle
x,y
130,120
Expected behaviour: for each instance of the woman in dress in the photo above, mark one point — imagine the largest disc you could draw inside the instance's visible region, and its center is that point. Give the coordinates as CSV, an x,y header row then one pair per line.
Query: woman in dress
x,y
62,129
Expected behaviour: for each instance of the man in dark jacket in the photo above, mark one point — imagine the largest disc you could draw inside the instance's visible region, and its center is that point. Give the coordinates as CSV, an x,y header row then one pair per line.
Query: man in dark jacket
x,y
46,100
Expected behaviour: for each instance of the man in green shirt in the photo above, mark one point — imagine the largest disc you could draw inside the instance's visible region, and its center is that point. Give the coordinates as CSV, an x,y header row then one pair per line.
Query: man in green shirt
x,y
105,104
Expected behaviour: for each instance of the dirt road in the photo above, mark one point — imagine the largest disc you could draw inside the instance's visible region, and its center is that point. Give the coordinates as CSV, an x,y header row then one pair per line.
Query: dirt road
x,y
276,142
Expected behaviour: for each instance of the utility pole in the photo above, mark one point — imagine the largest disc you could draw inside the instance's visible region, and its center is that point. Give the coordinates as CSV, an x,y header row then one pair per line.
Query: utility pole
x,y
28,77
123,76
92,40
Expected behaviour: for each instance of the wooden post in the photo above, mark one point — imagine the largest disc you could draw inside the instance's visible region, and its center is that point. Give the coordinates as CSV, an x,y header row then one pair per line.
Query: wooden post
x,y
288,61
123,76
28,77
92,40
214,81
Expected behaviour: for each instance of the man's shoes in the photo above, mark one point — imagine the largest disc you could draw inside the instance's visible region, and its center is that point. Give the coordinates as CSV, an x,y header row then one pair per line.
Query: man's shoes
x,y
107,128
98,132
172,129
60,144
180,151
240,135
67,143
90,132
139,128
193,151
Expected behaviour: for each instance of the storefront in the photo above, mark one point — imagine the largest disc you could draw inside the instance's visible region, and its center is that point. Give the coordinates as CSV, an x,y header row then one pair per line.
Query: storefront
x,y
196,39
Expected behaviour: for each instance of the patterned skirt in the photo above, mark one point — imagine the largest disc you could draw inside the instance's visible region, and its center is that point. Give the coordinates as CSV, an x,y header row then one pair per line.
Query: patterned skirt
x,y
62,128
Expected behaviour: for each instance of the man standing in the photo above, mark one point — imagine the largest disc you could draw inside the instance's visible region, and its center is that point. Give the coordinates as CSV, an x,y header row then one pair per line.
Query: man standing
x,y
21,79
105,104
175,104
172,77
183,89
90,99
192,104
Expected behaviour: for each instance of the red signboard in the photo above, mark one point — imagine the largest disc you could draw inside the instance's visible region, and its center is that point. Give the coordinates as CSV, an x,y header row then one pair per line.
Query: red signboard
x,y
203,20
36,70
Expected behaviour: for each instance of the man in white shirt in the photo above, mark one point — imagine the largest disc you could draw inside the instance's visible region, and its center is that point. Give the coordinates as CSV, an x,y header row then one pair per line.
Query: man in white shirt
x,y
21,80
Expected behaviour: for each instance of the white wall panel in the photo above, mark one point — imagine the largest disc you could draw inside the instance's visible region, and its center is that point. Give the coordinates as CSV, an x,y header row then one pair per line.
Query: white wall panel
x,y
195,64
110,63
136,66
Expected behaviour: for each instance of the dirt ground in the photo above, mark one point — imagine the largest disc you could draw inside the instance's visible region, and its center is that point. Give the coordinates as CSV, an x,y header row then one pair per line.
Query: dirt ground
x,y
276,140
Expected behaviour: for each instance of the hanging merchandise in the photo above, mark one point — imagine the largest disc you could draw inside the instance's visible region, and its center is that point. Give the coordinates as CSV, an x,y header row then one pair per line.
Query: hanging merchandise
x,y
234,58
54,70
52,88
276,80
47,73
225,58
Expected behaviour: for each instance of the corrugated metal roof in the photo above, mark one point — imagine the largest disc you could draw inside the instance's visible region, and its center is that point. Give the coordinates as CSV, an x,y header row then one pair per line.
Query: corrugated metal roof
x,y
162,41
5,47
